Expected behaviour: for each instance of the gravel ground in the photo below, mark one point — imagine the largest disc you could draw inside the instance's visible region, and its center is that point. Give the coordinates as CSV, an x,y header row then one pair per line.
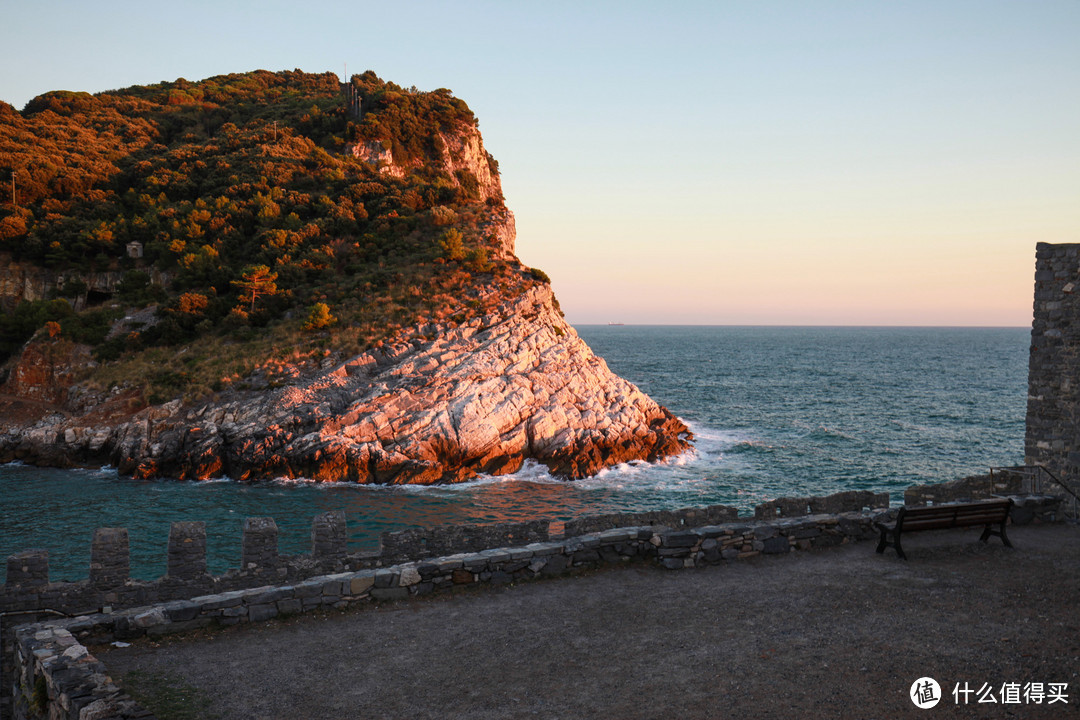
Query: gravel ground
x,y
837,633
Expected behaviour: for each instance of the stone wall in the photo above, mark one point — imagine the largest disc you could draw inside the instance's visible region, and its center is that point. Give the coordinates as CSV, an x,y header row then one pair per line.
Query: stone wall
x,y
48,672
109,584
969,489
1053,409
55,675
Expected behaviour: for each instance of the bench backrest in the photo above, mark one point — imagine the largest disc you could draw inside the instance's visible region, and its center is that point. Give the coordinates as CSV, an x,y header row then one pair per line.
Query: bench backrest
x,y
936,517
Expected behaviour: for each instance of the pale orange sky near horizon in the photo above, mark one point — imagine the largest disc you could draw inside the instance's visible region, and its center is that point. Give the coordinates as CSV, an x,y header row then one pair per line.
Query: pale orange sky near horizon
x,y
833,162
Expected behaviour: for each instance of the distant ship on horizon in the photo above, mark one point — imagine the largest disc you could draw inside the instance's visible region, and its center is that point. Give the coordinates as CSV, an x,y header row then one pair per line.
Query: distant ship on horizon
x,y
616,324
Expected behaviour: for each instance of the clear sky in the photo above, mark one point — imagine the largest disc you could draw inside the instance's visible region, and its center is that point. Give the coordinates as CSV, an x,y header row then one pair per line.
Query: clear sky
x,y
723,162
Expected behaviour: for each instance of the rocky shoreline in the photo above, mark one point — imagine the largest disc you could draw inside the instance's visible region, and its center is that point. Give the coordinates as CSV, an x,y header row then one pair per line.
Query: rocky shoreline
x,y
507,379
439,404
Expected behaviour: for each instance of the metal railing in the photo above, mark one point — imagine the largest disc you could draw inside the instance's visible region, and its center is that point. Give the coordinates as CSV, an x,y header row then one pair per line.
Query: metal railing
x,y
1039,480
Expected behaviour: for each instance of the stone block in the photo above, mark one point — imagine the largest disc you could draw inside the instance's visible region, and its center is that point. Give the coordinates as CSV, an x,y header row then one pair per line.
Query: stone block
x,y
543,549
329,535
555,565
110,561
148,618
28,569
259,547
683,539
335,588
764,532
586,556
309,588
475,563
181,610
258,613
291,606
360,585
776,545
187,551
409,576
220,600
271,595
386,578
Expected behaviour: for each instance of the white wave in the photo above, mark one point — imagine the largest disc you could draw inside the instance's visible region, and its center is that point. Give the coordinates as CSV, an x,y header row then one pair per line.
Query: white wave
x,y
214,480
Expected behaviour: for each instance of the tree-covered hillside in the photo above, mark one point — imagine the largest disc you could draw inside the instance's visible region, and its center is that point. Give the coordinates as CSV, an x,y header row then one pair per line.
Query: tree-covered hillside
x,y
264,242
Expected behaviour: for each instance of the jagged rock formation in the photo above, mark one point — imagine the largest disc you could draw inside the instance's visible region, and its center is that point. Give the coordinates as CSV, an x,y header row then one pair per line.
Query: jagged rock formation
x,y
408,216
439,406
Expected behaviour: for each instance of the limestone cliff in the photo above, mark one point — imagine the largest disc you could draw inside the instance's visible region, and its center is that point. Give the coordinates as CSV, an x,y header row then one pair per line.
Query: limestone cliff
x,y
439,405
429,353
462,157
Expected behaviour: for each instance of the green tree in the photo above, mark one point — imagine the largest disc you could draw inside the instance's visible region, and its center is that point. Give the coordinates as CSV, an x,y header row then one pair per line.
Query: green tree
x,y
257,281
319,317
452,244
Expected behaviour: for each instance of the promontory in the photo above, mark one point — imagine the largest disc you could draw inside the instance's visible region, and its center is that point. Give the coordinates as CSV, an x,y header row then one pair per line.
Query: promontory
x,y
268,275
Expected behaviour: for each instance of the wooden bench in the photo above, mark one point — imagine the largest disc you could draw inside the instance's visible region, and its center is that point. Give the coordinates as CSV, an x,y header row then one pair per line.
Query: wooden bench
x,y
944,517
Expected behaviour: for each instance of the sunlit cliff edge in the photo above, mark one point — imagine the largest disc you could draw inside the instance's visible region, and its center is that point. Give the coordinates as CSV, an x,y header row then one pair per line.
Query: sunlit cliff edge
x,y
276,275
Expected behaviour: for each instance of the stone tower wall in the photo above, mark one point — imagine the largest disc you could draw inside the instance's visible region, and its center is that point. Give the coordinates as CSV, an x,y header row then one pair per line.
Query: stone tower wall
x,y
1053,410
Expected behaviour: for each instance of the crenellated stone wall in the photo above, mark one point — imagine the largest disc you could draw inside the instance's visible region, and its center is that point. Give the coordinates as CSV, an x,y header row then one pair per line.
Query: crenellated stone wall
x,y
48,672
109,585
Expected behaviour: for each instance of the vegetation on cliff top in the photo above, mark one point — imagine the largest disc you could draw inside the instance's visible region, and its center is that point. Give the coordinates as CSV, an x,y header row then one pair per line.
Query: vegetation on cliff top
x,y
258,230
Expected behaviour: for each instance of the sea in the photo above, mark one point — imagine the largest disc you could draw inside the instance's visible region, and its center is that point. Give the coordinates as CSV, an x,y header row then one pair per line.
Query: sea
x,y
776,411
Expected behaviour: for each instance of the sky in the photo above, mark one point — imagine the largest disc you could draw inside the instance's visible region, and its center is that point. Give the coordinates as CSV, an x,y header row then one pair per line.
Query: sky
x,y
750,162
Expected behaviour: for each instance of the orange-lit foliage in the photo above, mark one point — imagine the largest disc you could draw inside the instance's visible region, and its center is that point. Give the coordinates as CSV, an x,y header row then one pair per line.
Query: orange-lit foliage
x,y
193,304
215,177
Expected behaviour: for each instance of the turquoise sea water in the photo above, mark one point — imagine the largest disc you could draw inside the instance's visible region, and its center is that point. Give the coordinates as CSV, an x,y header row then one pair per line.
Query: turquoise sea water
x,y
776,411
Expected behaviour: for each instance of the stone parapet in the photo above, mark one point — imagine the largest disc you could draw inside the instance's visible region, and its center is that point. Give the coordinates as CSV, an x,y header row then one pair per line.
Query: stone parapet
x,y
848,501
109,585
54,670
969,489
260,544
110,558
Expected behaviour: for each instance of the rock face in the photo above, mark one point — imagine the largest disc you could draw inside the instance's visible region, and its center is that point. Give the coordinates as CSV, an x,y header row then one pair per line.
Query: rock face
x,y
440,405
46,370
508,380
20,282
461,156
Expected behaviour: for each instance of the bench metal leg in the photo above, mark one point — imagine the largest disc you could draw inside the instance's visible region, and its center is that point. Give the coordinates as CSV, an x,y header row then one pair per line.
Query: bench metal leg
x,y
896,544
883,543
989,530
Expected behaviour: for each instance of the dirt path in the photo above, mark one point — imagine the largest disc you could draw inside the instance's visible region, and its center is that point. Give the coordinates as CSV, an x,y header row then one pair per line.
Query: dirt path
x,y
838,633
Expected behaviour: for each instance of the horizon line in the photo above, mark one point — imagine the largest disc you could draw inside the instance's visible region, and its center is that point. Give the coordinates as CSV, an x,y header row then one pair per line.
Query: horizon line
x,y
793,325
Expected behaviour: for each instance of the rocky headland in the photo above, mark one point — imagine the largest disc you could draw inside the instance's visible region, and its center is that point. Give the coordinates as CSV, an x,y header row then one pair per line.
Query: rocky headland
x,y
440,405
479,382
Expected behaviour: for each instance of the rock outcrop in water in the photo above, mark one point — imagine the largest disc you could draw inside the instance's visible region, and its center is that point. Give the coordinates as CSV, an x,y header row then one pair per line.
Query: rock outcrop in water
x,y
469,365
440,405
